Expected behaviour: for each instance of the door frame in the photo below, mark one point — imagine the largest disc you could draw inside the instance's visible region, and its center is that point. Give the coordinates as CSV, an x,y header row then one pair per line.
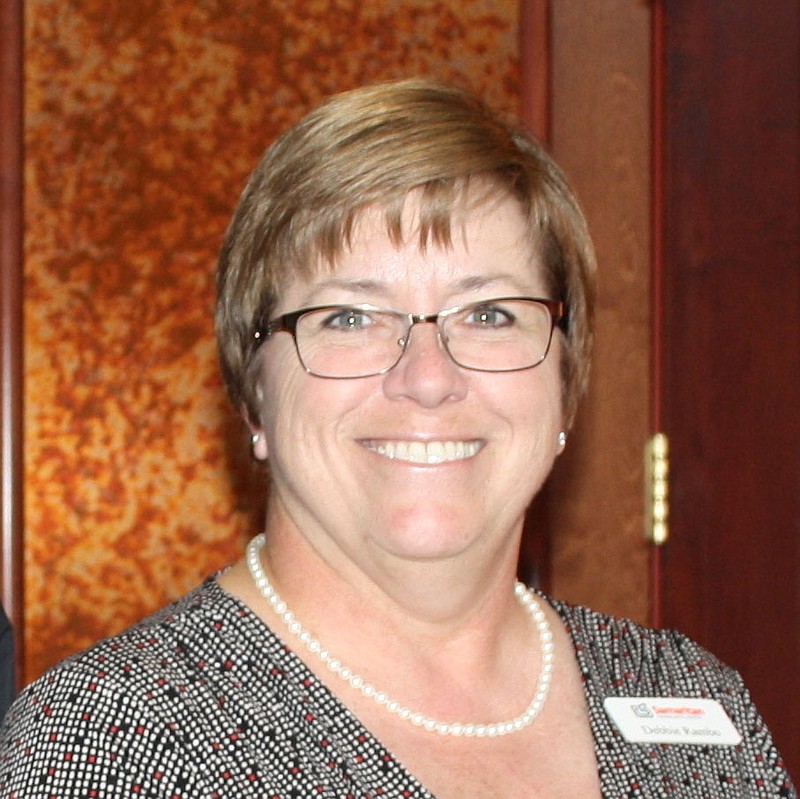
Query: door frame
x,y
11,324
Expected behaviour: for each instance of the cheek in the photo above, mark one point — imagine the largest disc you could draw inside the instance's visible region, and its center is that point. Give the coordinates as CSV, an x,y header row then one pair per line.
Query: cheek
x,y
282,408
276,388
300,411
289,425
538,396
532,410
546,396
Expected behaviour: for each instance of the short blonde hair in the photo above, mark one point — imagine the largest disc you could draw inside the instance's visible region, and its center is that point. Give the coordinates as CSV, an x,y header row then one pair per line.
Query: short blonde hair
x,y
372,147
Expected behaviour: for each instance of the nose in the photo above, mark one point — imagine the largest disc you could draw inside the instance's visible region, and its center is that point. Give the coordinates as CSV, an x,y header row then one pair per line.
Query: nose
x,y
425,373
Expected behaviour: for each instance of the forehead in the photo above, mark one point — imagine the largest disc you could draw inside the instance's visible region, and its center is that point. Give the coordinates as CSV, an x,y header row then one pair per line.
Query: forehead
x,y
489,248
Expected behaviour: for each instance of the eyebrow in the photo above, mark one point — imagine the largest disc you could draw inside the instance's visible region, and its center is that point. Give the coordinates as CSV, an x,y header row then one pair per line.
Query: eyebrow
x,y
355,286
476,282
366,286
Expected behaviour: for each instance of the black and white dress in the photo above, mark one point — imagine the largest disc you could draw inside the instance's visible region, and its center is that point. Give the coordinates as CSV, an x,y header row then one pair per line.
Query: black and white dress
x,y
203,701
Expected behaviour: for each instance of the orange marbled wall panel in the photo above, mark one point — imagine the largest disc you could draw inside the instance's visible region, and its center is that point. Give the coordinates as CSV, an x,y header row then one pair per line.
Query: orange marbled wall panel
x,y
142,121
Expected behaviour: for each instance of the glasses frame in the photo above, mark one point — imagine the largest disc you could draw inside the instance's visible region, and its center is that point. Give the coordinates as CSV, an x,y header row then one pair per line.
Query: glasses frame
x,y
287,323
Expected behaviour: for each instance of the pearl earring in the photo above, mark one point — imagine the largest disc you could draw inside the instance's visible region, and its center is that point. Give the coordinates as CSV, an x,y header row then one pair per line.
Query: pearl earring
x,y
255,438
562,439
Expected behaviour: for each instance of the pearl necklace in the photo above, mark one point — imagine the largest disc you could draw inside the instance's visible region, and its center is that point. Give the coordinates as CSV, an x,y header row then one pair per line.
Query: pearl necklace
x,y
526,598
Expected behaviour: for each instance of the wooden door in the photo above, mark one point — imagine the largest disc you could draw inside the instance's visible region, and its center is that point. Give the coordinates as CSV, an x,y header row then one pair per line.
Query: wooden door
x,y
730,397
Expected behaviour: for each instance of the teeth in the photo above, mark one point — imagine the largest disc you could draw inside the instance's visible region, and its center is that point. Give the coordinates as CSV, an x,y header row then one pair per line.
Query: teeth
x,y
429,453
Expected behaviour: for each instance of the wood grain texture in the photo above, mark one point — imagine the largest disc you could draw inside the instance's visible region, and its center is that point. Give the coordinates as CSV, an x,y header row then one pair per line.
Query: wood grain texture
x,y
535,65
601,135
731,363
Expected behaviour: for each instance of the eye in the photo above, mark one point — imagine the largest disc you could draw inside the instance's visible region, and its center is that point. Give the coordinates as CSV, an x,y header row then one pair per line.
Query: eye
x,y
347,319
489,316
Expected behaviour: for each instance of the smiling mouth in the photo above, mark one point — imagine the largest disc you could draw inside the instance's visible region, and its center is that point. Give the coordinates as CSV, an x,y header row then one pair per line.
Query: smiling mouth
x,y
425,452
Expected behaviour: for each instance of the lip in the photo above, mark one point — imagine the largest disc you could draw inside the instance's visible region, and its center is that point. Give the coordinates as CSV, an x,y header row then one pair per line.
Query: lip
x,y
425,453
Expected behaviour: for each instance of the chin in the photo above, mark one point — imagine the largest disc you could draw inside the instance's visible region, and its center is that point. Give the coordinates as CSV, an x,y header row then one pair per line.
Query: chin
x,y
427,535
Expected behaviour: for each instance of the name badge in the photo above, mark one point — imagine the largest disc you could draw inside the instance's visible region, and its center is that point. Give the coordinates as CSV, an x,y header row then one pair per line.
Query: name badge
x,y
674,720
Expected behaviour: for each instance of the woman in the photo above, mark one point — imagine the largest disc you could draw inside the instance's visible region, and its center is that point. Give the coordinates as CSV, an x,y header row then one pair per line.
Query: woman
x,y
404,321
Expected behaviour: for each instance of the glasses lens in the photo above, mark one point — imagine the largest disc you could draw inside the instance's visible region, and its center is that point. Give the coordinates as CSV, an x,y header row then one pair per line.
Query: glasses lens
x,y
499,335
348,341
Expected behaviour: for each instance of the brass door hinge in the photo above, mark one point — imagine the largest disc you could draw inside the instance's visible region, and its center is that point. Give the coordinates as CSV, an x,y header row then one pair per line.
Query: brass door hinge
x,y
657,488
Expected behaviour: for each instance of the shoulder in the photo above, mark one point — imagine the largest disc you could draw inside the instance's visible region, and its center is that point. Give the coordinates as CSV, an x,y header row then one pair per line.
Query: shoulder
x,y
121,704
628,655
200,699
620,658
182,642
160,641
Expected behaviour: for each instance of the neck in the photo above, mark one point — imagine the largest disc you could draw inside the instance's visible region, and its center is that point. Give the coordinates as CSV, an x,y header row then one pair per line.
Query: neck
x,y
357,682
427,637
435,598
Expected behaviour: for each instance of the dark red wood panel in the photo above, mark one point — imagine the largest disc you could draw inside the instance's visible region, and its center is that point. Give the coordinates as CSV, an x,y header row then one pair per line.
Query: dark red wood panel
x,y
535,101
731,348
11,25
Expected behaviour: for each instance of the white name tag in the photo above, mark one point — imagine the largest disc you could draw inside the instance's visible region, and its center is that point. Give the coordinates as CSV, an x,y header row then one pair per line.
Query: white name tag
x,y
662,720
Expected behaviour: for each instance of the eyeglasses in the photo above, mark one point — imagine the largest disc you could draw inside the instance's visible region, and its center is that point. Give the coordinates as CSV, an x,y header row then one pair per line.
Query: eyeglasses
x,y
506,334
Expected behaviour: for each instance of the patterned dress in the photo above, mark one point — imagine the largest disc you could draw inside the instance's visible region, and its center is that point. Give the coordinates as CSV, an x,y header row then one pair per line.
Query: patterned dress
x,y
203,700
